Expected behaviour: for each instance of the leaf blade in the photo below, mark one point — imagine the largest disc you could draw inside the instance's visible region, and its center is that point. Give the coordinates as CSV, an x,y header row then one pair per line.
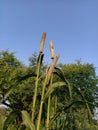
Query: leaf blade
x,y
27,120
52,87
9,120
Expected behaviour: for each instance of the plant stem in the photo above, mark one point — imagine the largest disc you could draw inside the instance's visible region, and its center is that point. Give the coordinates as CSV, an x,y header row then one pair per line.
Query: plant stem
x,y
46,82
48,113
36,86
38,71
48,108
41,104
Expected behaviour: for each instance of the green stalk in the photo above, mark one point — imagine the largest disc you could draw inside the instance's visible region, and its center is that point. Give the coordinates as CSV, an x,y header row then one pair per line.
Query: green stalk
x,y
38,72
49,98
48,113
41,104
36,86
46,82
48,107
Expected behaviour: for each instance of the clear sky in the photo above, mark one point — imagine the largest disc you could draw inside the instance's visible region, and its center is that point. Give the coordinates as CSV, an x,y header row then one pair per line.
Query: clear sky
x,y
72,25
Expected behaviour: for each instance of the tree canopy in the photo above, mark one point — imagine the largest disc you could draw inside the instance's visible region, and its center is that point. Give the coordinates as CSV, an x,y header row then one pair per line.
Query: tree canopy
x,y
17,87
38,96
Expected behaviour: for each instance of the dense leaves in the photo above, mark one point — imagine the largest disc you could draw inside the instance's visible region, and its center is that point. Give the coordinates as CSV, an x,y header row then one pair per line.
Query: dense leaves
x,y
83,78
73,91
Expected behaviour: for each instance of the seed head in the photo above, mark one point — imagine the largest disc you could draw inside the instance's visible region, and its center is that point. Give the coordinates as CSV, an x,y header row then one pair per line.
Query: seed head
x,y
42,42
52,50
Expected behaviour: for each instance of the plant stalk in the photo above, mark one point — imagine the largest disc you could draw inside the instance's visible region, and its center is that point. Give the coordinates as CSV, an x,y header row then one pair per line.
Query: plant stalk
x,y
48,113
46,82
36,86
41,104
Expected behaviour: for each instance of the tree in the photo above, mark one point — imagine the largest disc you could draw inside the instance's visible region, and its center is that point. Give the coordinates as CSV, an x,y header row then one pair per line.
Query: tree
x,y
83,81
16,85
58,97
14,74
8,69
69,112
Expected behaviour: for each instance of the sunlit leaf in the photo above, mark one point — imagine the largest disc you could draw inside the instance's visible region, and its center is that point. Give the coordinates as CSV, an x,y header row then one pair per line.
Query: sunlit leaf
x,y
27,120
59,72
52,88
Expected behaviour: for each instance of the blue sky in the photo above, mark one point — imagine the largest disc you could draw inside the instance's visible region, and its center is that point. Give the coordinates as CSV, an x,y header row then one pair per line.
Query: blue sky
x,y
72,25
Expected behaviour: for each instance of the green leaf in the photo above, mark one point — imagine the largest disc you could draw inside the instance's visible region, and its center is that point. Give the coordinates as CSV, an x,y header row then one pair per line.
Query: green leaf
x,y
27,120
59,72
12,127
17,80
12,116
89,111
63,108
52,87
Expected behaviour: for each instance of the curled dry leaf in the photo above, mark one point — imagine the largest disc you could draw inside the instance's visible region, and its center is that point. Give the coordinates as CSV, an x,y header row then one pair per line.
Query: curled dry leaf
x,y
50,71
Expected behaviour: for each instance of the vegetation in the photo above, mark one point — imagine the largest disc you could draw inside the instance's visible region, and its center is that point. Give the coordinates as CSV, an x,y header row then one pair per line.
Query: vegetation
x,y
42,97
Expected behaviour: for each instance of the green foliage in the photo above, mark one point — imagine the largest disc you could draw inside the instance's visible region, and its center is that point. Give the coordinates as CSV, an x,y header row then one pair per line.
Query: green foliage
x,y
83,78
2,119
52,88
10,120
27,120
58,98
